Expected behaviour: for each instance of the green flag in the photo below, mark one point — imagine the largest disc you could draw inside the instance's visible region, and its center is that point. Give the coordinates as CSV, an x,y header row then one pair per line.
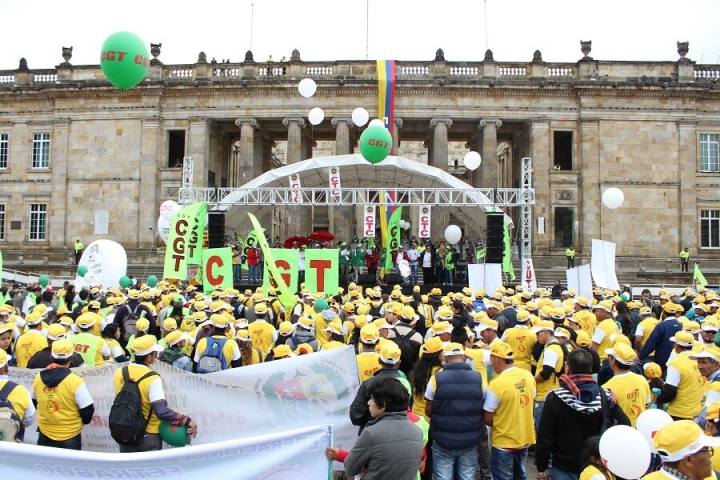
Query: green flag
x,y
284,294
287,263
217,269
507,266
321,270
393,237
480,254
184,245
698,278
249,241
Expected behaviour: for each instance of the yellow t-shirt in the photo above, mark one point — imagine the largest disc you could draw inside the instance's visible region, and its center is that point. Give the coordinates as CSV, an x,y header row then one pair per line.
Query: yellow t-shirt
x,y
632,392
19,397
647,327
262,334
591,472
57,408
512,394
136,372
608,326
691,389
522,342
478,357
320,333
543,388
27,345
368,364
332,344
419,400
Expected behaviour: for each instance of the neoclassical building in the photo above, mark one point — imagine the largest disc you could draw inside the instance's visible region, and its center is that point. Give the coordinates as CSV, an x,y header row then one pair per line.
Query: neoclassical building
x,y
79,158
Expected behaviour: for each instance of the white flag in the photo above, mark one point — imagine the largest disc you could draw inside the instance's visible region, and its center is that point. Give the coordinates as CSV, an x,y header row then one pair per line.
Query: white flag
x,y
424,222
485,276
295,186
580,280
602,264
334,176
369,221
529,282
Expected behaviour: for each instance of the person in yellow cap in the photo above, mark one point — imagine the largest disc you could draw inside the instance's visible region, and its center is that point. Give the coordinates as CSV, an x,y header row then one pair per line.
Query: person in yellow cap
x,y
336,335
280,352
216,352
686,452
550,365
521,341
606,326
30,342
632,390
152,395
708,362
248,354
93,349
508,409
19,397
304,334
263,334
174,353
659,340
63,401
43,358
367,357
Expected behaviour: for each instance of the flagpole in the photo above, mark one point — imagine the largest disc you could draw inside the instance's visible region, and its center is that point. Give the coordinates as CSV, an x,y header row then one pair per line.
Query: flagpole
x,y
252,18
367,27
486,27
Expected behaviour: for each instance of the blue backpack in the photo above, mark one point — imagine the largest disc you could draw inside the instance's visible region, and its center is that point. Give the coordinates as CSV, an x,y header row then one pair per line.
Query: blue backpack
x,y
213,359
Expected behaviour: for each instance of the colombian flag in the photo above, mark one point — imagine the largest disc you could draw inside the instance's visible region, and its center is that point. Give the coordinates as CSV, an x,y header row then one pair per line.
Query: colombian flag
x,y
386,95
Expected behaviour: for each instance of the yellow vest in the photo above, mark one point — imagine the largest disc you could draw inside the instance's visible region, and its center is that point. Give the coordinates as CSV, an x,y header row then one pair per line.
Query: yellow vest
x,y
419,401
543,388
58,412
19,398
691,390
609,327
261,334
368,364
136,372
320,333
27,345
632,392
513,425
522,342
89,347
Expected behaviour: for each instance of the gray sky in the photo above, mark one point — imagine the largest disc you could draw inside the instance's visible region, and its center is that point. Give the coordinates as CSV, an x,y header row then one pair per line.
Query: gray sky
x,y
641,30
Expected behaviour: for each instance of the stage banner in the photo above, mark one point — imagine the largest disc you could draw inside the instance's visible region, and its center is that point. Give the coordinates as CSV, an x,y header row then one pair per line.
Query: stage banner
x,y
293,454
425,215
322,266
295,187
334,177
369,224
485,276
216,269
529,281
184,244
602,263
286,262
284,294
580,280
249,241
394,231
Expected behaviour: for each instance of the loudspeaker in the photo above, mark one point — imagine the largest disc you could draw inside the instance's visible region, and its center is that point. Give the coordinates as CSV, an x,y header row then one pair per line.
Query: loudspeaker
x,y
344,279
216,229
393,279
495,238
367,279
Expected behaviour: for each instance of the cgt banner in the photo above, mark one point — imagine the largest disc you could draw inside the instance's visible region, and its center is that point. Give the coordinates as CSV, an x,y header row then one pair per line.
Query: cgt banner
x,y
217,269
321,270
287,264
256,399
289,455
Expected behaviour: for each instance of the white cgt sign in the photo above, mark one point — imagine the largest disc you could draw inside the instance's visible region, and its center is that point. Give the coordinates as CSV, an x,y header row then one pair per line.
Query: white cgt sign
x,y
369,221
424,222
295,186
334,176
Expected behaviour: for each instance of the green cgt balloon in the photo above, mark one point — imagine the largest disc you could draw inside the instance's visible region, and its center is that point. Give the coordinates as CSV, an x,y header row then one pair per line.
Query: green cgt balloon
x,y
43,280
375,144
124,59
125,282
152,280
82,270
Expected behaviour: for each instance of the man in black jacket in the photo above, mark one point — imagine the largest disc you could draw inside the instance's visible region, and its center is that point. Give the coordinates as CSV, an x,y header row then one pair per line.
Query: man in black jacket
x,y
572,413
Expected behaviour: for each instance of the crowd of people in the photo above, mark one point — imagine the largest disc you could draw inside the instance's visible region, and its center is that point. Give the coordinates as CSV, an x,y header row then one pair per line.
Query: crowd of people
x,y
453,385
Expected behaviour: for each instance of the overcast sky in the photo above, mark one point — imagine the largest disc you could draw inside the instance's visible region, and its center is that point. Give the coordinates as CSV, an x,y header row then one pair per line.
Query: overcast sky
x,y
641,30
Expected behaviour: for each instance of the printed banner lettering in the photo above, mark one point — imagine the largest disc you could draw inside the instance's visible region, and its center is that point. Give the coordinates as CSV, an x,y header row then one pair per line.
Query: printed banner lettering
x,y
295,187
424,218
334,176
217,269
393,237
529,281
369,221
287,263
185,240
321,270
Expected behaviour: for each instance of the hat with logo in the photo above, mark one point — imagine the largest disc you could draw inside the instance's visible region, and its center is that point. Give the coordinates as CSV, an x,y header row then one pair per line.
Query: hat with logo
x,y
583,338
394,307
677,440
683,339
452,349
433,345
56,332
501,350
710,325
390,353
622,353
369,334
62,349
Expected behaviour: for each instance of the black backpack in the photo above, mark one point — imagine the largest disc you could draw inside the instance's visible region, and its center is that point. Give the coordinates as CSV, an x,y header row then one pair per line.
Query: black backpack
x,y
408,352
129,322
127,424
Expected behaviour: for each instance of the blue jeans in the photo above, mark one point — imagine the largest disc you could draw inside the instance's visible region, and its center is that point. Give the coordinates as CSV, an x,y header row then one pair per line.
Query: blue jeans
x,y
508,465
537,412
461,462
237,273
74,443
252,273
449,276
413,274
556,474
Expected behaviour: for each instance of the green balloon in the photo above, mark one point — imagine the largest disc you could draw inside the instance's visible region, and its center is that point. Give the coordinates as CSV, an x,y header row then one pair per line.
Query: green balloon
x,y
43,280
152,281
124,59
625,297
82,270
175,436
125,282
375,144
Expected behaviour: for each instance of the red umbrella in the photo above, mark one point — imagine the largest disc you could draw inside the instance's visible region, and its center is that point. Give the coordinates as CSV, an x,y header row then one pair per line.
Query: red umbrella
x,y
321,236
296,239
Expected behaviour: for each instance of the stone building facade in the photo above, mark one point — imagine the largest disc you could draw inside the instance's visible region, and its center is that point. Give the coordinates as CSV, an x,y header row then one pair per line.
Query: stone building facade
x,y
71,145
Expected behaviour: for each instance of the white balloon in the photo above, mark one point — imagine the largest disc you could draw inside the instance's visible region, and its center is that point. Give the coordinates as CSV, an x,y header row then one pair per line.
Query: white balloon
x,y
360,116
453,234
612,198
163,228
377,121
407,226
402,224
316,116
405,271
472,160
649,422
625,451
169,208
307,87
404,263
106,262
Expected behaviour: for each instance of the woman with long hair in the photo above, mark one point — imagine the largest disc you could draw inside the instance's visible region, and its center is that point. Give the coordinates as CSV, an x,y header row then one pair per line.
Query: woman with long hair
x,y
111,335
625,319
592,462
69,297
248,354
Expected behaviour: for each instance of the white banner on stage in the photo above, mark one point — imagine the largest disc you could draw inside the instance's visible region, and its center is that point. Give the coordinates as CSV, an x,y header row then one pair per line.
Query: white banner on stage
x,y
529,281
485,276
369,221
295,187
424,217
334,177
602,262
256,399
294,455
580,280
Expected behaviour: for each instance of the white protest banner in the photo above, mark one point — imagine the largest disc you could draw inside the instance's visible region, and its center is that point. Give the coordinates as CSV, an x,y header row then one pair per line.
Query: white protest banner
x,y
295,187
290,455
369,221
424,218
580,280
334,176
602,263
529,281
485,276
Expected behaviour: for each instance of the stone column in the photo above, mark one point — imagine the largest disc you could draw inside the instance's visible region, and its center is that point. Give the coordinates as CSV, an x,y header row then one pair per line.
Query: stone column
x,y
298,218
396,135
590,203
150,147
687,138
341,222
245,168
263,163
489,169
59,208
475,145
540,153
438,157
198,143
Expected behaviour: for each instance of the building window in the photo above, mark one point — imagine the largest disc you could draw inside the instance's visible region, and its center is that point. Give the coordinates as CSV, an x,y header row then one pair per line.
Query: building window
x,y
564,226
2,222
211,178
41,150
563,150
4,148
38,221
176,148
709,152
710,228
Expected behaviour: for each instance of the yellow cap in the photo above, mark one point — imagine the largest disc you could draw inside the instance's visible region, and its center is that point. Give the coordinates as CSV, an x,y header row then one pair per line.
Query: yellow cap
x,y
393,307
441,327
261,308
87,320
285,328
433,345
306,323
56,331
369,334
282,351
683,339
583,338
243,335
691,327
219,321
335,327
487,324
543,325
453,348
652,370
501,349
170,324
33,318
62,349
677,440
142,324
3,358
622,353
175,337
144,345
390,353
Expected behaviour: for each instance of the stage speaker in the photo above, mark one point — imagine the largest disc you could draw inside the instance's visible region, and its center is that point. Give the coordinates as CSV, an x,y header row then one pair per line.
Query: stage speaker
x,y
216,229
393,279
344,279
367,279
495,244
